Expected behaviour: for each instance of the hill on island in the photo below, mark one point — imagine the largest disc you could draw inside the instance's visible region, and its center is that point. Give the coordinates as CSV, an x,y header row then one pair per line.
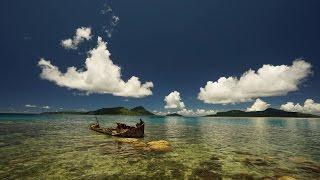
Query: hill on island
x,y
137,111
141,111
173,114
270,112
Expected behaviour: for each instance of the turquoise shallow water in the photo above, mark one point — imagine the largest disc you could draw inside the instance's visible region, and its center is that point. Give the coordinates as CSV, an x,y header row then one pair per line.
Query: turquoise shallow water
x,y
62,146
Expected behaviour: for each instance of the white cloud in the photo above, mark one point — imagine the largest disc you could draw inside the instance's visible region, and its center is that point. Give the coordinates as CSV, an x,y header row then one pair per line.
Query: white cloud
x,y
187,112
30,106
45,107
100,75
36,106
113,23
82,33
258,105
160,113
106,9
269,80
113,20
309,106
198,112
173,101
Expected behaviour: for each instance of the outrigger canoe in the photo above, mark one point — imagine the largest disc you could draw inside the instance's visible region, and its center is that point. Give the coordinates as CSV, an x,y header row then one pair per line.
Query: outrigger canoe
x,y
122,130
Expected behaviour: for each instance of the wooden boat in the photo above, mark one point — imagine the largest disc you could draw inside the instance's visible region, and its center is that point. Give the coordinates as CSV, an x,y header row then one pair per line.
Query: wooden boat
x,y
122,130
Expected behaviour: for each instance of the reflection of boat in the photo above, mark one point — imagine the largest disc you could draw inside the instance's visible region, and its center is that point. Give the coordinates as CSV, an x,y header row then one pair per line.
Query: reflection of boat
x,y
122,130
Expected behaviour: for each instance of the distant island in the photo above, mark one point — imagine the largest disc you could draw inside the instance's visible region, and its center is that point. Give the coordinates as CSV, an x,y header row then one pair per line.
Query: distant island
x,y
174,114
141,111
270,112
66,112
137,111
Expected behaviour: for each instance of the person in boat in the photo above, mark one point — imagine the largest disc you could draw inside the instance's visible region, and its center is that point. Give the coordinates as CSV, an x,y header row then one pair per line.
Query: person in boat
x,y
97,123
139,123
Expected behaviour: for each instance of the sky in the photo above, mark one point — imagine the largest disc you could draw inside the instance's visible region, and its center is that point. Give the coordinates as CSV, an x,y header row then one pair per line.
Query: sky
x,y
246,55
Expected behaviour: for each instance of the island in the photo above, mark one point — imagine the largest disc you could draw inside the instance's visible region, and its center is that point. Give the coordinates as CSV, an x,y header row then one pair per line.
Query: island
x,y
136,111
141,111
270,112
174,114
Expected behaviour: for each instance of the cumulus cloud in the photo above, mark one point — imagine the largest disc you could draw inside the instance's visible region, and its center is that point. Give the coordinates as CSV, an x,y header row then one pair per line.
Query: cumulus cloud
x,y
160,113
113,20
309,106
82,33
100,75
187,112
198,112
267,81
113,23
173,101
36,106
106,10
30,106
258,105
45,107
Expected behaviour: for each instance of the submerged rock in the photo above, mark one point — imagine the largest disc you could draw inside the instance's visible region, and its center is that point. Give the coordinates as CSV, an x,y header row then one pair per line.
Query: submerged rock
x,y
314,169
242,176
127,140
306,165
256,162
299,160
139,144
211,169
279,171
243,153
160,145
286,178
206,174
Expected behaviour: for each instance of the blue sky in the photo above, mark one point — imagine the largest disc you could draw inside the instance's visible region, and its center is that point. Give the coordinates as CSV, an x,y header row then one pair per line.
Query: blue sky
x,y
179,46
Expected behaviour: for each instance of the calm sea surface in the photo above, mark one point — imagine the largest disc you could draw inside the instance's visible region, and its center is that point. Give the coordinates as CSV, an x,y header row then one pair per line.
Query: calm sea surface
x,y
62,147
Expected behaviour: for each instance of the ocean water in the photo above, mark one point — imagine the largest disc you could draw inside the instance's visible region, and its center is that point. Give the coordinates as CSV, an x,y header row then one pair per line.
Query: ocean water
x,y
63,147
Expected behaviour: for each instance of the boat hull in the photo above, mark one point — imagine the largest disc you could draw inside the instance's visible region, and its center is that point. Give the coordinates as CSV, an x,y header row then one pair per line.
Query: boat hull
x,y
132,132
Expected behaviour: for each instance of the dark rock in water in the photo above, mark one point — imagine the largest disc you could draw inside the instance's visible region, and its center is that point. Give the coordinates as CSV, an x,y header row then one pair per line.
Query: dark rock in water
x,y
256,162
132,161
83,148
242,176
282,172
311,169
165,169
206,174
4,144
87,166
211,169
306,165
243,153
152,167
